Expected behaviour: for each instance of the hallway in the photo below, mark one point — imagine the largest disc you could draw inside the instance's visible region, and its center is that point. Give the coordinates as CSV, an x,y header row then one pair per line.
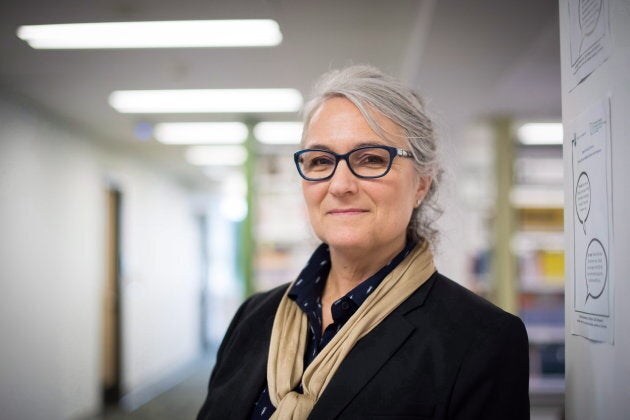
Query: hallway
x,y
180,402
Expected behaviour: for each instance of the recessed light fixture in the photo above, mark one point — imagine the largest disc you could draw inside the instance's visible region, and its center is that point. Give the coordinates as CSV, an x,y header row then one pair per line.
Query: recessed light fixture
x,y
205,100
540,133
165,34
269,132
201,133
216,155
234,207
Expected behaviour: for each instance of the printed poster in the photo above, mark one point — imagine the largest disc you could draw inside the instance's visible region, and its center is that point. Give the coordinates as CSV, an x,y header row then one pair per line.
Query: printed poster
x,y
592,315
590,41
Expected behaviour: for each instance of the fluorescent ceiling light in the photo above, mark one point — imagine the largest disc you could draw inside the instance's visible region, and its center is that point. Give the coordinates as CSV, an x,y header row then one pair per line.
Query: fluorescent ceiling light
x,y
234,208
278,132
540,133
167,34
205,100
216,155
201,133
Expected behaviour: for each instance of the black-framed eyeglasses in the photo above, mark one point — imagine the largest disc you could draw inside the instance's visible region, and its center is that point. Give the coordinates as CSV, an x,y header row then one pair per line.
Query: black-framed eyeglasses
x,y
364,162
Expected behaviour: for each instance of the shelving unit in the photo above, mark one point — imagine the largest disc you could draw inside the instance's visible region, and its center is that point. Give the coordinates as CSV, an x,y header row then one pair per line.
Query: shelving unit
x,y
521,268
282,234
538,247
541,306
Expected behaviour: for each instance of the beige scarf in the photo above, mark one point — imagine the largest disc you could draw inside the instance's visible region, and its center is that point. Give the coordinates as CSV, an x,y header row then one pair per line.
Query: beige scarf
x,y
285,366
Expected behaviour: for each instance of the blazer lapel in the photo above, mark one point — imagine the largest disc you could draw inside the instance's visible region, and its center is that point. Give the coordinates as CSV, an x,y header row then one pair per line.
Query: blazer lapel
x,y
368,356
253,376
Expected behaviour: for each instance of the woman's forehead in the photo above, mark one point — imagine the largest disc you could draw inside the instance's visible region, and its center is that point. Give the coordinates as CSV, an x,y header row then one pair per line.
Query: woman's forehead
x,y
339,121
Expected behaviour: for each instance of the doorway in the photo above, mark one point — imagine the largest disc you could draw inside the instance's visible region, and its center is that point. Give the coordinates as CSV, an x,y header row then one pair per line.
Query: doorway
x,y
111,359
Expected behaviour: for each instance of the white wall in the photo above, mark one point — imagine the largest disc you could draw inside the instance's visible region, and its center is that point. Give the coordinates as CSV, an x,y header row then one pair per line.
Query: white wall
x,y
52,269
160,275
598,374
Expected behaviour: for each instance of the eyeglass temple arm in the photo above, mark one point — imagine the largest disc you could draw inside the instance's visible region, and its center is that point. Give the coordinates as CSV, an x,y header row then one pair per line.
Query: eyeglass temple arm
x,y
403,153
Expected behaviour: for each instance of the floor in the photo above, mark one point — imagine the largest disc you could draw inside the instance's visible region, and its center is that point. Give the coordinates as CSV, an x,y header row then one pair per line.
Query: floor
x,y
184,400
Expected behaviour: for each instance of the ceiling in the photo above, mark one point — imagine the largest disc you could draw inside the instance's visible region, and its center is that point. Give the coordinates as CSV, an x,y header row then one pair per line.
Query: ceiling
x,y
470,58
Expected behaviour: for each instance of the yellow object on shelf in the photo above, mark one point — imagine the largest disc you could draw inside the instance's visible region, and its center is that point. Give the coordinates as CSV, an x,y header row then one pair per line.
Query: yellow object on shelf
x,y
552,266
532,218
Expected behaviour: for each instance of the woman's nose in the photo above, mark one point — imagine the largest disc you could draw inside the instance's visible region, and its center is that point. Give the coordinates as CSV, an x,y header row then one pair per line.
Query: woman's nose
x,y
343,180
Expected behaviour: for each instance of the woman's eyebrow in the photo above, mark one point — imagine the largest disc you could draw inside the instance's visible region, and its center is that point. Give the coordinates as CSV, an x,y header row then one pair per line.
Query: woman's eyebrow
x,y
362,144
318,146
372,143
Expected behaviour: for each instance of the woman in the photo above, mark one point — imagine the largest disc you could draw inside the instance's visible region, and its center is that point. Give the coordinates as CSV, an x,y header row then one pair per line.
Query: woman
x,y
369,329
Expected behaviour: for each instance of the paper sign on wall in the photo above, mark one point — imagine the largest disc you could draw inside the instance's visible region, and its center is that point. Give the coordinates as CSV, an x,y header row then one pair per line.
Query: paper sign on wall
x,y
592,298
590,37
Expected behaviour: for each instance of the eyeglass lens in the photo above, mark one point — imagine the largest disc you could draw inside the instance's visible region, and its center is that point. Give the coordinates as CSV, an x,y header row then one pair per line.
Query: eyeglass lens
x,y
371,162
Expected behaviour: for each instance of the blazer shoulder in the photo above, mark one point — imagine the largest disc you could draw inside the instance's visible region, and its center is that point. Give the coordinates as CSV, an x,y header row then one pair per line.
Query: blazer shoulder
x,y
262,303
252,315
268,297
466,308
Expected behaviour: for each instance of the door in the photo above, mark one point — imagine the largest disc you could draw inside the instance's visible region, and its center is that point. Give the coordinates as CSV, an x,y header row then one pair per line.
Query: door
x,y
111,316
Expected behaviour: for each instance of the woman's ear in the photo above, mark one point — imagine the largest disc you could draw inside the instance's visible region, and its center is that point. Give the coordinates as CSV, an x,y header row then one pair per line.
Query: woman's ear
x,y
423,189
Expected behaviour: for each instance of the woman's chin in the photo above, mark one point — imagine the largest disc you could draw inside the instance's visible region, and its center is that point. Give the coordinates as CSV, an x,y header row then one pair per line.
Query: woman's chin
x,y
348,243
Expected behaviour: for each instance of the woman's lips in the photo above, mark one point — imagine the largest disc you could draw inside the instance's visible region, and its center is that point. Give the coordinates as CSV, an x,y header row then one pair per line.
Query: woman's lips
x,y
346,212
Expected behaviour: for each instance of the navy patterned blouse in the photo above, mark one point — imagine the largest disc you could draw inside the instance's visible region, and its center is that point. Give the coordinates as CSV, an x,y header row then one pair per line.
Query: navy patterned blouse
x,y
307,293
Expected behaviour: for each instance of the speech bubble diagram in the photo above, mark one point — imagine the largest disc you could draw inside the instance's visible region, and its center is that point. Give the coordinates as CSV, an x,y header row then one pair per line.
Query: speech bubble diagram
x,y
596,269
589,12
583,198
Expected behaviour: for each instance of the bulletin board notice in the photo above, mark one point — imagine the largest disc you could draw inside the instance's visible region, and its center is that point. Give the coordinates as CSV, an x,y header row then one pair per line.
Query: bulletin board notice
x,y
590,40
589,134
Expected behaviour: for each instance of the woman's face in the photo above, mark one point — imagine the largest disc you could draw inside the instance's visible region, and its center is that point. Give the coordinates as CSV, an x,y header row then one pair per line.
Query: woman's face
x,y
360,215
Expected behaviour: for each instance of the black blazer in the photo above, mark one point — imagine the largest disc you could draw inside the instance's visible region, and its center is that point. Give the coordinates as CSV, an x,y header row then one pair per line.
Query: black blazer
x,y
444,353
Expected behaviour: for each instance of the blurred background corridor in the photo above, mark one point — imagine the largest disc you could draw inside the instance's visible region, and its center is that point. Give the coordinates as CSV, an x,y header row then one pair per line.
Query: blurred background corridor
x,y
133,223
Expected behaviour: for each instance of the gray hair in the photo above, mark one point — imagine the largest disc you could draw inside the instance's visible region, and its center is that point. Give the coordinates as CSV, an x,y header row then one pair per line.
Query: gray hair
x,y
370,90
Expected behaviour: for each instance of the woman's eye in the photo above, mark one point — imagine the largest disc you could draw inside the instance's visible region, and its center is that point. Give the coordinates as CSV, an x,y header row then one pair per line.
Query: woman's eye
x,y
318,162
322,161
371,160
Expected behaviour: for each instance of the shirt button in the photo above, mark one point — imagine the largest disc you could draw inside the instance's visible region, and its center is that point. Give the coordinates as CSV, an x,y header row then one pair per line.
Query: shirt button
x,y
345,305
